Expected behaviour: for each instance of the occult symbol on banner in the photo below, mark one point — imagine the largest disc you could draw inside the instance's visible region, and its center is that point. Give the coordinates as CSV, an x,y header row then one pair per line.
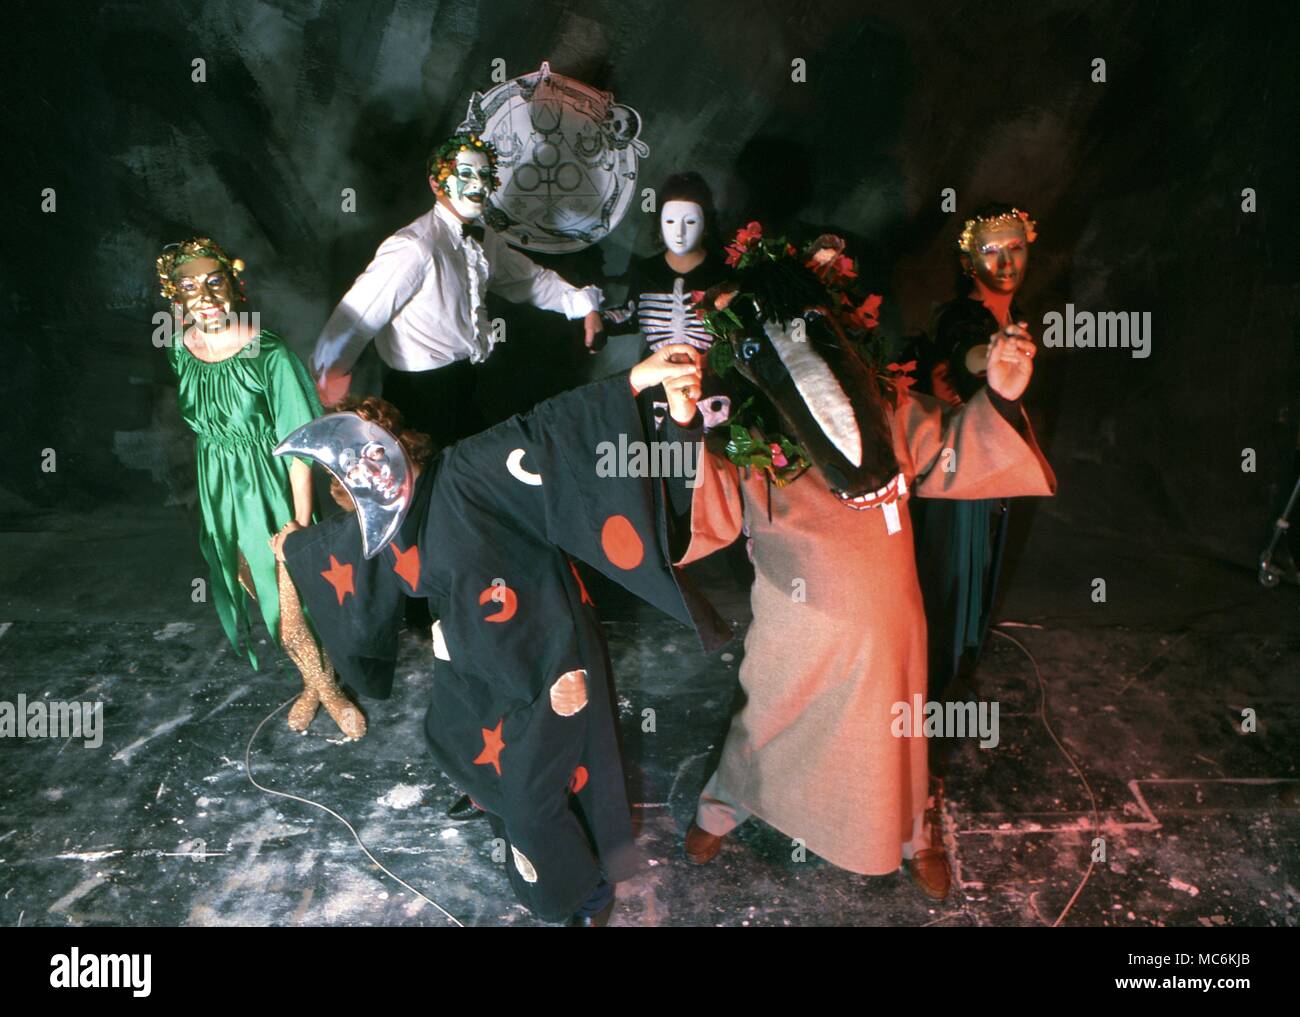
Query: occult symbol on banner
x,y
566,156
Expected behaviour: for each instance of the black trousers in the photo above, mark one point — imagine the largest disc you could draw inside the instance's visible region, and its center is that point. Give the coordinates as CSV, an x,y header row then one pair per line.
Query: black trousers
x,y
442,403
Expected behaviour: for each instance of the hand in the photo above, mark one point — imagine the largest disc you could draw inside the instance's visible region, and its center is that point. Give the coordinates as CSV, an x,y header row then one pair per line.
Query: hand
x,y
593,327
679,369
277,542
1011,360
941,384
332,387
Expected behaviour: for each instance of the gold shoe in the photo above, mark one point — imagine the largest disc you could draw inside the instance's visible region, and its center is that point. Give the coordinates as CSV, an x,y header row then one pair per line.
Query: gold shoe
x,y
303,710
346,714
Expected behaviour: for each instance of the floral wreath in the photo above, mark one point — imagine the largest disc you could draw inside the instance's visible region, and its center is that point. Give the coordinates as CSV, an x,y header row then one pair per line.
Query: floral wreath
x,y
1016,217
175,255
751,442
442,163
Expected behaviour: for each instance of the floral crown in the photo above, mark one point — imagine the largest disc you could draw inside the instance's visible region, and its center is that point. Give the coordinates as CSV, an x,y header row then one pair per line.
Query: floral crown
x,y
1016,217
442,163
751,254
782,282
176,255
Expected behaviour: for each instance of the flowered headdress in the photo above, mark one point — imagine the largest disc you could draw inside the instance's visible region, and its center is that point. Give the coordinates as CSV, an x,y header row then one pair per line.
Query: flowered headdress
x,y
776,281
176,255
978,223
442,161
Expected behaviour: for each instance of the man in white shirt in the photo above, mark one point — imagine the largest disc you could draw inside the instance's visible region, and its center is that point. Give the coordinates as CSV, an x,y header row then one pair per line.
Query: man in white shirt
x,y
422,301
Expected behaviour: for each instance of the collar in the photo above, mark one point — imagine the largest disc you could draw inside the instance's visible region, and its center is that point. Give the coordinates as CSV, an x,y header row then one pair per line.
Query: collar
x,y
452,222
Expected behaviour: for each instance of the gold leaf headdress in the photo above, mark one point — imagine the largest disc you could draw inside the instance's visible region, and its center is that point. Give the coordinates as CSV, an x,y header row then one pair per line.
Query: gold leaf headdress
x,y
1016,217
176,255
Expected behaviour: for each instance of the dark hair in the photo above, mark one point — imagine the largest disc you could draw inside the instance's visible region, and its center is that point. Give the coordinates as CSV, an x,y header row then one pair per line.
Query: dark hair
x,y
689,186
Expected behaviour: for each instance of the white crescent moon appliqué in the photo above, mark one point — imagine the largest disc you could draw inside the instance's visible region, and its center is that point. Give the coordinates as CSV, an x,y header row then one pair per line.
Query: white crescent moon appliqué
x,y
515,464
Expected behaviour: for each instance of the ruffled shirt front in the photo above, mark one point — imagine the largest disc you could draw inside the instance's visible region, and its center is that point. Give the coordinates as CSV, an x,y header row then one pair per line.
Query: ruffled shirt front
x,y
422,298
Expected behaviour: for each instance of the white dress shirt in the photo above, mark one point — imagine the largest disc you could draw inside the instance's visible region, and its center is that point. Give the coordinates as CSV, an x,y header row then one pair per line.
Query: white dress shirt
x,y
421,298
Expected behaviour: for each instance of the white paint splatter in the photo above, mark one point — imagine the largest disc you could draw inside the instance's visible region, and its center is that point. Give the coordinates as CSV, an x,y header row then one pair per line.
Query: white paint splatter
x,y
402,797
124,755
88,856
1187,888
173,629
227,701
77,892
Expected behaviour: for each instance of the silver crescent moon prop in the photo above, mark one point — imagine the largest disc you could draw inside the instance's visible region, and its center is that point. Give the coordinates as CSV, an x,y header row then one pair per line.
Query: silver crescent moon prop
x,y
369,462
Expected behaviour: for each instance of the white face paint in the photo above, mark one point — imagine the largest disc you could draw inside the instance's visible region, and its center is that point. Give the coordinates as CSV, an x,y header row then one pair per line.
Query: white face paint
x,y
471,183
682,225
821,392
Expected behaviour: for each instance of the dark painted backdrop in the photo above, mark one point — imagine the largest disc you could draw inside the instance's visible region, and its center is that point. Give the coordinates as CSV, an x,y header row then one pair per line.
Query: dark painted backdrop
x,y
1136,184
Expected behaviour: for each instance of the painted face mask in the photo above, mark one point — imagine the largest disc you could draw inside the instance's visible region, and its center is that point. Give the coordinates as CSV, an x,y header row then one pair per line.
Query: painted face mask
x,y
206,293
1000,258
470,185
681,223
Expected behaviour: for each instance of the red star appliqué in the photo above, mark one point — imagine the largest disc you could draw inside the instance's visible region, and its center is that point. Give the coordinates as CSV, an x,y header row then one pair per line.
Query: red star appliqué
x,y
407,565
340,577
492,746
582,587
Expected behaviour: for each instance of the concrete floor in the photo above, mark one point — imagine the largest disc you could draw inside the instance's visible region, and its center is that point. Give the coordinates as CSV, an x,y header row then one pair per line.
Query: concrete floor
x,y
160,825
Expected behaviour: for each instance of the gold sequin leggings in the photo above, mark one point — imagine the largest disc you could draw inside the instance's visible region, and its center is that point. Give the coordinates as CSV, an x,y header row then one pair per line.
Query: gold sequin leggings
x,y
319,685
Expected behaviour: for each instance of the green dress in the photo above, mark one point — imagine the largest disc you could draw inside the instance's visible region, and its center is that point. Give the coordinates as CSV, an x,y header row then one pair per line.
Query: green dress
x,y
240,408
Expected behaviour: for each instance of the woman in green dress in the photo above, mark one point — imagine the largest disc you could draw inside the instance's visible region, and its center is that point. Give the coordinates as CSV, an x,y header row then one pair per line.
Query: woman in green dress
x,y
241,391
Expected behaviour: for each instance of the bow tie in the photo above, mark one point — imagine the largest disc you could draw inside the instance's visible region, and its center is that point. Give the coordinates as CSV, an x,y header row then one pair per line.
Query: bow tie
x,y
471,229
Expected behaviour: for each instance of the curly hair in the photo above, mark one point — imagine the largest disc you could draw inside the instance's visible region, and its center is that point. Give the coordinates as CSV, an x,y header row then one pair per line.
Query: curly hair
x,y
419,446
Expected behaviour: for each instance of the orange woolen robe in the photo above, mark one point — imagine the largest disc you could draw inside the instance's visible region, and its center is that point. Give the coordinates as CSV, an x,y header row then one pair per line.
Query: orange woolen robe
x,y
812,752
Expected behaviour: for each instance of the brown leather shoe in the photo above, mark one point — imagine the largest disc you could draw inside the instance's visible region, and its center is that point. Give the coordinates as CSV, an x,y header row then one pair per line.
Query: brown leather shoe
x,y
702,846
929,869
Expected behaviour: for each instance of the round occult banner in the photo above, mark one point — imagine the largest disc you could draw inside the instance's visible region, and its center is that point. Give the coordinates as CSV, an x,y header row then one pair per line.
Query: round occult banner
x,y
567,159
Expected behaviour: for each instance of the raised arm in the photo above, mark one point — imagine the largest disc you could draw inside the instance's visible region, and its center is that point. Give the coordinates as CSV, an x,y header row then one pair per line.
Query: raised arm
x,y
984,448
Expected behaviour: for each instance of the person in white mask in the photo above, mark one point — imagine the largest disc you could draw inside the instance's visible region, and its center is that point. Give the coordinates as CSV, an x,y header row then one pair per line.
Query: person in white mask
x,y
662,289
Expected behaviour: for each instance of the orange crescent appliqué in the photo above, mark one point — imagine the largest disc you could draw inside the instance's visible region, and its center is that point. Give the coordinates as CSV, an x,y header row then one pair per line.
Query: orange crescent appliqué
x,y
504,596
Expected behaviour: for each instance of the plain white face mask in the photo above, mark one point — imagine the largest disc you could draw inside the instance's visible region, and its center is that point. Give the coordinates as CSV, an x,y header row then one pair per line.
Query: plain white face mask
x,y
681,224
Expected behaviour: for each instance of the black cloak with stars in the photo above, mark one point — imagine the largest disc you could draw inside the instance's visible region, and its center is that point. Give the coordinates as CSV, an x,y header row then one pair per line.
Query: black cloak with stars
x,y
488,540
